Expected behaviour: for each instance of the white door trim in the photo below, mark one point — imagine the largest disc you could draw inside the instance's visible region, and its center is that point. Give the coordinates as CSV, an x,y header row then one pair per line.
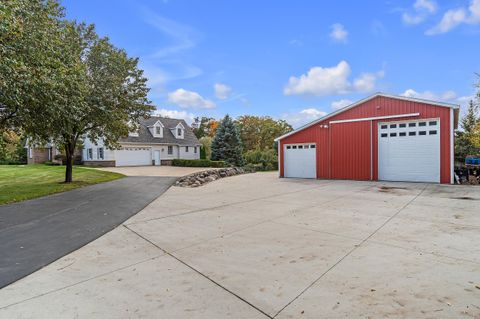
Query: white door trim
x,y
452,148
375,118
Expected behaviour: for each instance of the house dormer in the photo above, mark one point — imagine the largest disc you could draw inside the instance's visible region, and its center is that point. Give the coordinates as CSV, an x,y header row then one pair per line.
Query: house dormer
x,y
179,131
156,129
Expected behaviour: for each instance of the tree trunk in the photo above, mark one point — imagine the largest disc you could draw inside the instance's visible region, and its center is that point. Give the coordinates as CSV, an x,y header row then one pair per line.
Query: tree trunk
x,y
69,151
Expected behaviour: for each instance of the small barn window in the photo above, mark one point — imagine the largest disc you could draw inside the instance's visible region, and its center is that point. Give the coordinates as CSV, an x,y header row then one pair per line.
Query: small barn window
x,y
402,125
393,125
412,133
384,127
422,133
289,147
312,146
305,146
422,124
412,124
300,146
384,135
434,132
294,147
402,134
432,123
393,134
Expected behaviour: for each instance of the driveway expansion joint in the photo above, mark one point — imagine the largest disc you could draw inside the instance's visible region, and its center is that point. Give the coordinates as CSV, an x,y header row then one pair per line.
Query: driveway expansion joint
x,y
355,247
200,273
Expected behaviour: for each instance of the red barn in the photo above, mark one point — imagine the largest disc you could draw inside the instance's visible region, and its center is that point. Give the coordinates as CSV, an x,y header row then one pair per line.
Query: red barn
x,y
382,137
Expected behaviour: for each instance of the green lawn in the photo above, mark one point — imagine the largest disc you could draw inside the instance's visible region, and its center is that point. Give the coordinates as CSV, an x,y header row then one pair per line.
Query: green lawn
x,y
21,182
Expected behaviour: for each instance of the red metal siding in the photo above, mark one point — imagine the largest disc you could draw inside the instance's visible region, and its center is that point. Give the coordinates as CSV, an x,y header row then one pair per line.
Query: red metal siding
x,y
350,148
343,149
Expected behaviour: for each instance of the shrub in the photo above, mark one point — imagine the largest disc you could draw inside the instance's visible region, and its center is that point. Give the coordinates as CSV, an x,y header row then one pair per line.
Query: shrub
x,y
197,163
9,162
50,163
265,160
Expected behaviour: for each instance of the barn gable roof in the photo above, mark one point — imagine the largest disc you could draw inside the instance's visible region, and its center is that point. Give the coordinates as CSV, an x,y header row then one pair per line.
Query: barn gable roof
x,y
456,107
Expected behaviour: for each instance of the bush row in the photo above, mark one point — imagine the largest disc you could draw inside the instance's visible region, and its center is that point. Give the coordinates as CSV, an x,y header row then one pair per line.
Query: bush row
x,y
197,163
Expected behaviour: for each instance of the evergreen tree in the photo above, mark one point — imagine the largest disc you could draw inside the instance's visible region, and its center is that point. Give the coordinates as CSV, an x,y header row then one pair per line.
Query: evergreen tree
x,y
463,143
227,145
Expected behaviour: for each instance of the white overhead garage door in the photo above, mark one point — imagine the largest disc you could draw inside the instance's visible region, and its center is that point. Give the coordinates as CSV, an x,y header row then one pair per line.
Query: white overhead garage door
x,y
133,156
409,151
300,161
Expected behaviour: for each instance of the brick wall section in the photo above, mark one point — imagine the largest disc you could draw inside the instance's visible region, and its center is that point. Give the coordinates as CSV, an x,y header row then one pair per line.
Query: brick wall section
x,y
100,163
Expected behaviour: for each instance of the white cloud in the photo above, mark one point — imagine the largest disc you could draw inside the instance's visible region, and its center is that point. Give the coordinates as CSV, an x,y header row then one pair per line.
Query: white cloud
x,y
447,96
174,114
366,82
303,117
336,105
339,34
429,95
421,10
189,99
321,81
222,91
454,17
427,5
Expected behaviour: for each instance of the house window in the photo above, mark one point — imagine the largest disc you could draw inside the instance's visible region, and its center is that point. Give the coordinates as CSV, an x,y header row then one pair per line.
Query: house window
x,y
170,150
158,130
90,153
186,149
179,132
195,149
30,152
100,153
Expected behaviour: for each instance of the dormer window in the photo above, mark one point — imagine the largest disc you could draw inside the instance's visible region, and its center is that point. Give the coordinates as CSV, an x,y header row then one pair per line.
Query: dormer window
x,y
178,131
157,129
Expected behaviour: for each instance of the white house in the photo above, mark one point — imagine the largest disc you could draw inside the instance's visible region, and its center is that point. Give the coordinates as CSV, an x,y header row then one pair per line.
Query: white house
x,y
158,141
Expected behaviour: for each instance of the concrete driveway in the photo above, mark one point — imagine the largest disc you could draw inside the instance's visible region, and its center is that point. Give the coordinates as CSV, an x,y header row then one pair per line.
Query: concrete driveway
x,y
172,171
255,246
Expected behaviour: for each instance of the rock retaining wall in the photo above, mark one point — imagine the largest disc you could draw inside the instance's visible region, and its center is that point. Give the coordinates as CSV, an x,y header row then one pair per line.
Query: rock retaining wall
x,y
203,177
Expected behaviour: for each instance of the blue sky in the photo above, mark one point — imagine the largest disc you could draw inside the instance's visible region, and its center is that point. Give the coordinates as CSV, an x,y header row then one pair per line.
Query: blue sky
x,y
295,60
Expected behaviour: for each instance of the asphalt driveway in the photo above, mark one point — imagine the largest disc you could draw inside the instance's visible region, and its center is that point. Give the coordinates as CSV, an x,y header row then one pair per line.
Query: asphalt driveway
x,y
36,232
255,246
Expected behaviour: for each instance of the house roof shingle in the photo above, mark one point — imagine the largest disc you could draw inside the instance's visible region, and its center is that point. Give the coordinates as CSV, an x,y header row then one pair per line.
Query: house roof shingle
x,y
145,137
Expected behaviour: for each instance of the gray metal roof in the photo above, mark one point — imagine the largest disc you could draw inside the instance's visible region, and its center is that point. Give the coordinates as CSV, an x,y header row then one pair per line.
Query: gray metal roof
x,y
145,137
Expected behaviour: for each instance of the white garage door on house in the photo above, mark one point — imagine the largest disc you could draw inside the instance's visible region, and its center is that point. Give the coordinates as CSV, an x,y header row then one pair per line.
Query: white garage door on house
x,y
133,156
300,160
409,151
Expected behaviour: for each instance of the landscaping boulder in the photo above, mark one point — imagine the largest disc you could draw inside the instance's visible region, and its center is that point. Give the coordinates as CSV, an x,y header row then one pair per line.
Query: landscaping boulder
x,y
203,177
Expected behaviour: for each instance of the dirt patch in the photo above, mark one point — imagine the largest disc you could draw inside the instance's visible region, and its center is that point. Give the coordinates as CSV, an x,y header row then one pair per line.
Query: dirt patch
x,y
464,198
389,189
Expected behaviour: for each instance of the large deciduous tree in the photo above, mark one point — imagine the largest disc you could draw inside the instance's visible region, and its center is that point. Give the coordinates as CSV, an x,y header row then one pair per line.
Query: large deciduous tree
x,y
85,87
259,132
109,97
30,59
227,145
